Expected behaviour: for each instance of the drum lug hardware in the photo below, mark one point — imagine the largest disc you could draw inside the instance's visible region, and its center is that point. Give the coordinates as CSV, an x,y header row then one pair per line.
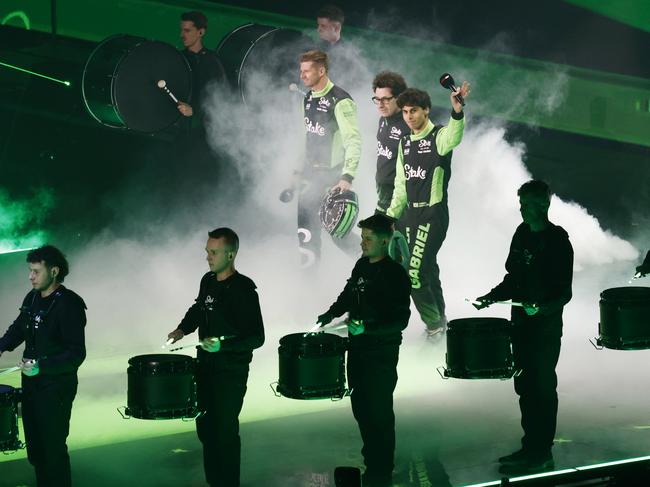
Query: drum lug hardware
x,y
189,419
517,372
274,389
596,344
339,397
124,415
444,376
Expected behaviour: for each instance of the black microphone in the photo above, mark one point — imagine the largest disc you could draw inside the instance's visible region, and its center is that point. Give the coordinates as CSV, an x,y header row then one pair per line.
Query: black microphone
x,y
448,82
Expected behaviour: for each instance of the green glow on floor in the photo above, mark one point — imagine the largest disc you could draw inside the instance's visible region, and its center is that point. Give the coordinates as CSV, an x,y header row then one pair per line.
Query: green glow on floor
x,y
34,73
617,462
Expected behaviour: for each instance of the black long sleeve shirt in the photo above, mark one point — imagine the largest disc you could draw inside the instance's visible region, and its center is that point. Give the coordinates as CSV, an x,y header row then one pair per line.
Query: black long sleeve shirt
x,y
379,294
539,271
52,329
227,308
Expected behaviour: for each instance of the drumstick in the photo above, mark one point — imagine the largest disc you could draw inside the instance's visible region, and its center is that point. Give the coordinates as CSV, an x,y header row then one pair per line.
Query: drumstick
x,y
636,276
198,344
162,84
509,303
9,370
339,325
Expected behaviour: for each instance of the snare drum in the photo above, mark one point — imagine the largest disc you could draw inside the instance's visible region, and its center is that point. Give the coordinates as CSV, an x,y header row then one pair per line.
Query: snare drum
x,y
479,348
9,399
312,366
161,387
120,83
625,318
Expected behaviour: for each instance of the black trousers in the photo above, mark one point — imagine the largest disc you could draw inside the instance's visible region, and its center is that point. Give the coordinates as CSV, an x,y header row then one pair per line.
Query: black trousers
x,y
221,387
314,185
536,352
384,196
46,407
372,375
426,229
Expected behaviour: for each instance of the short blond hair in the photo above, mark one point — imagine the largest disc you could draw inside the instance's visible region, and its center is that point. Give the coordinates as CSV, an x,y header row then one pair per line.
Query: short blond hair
x,y
315,56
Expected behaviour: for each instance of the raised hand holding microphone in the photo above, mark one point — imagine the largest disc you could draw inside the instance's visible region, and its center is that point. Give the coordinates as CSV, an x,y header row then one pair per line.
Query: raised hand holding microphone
x,y
458,95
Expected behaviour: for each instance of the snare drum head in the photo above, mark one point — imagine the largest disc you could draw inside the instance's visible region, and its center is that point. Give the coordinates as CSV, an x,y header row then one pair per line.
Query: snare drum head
x,y
477,325
159,360
327,341
624,294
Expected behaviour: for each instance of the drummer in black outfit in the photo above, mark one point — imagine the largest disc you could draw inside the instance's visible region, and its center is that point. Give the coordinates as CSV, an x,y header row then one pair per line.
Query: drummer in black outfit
x,y
227,314
377,298
204,63
51,323
539,274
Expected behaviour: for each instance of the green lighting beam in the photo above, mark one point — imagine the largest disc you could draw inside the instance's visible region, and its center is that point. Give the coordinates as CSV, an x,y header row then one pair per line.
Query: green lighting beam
x,y
3,252
17,14
33,73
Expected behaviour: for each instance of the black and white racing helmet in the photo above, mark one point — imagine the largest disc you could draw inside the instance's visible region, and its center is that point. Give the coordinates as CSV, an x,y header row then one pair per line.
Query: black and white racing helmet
x,y
338,212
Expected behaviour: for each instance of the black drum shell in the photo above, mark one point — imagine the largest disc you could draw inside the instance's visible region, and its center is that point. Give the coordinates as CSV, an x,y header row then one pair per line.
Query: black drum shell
x,y
312,366
120,79
9,399
625,318
161,387
272,51
479,348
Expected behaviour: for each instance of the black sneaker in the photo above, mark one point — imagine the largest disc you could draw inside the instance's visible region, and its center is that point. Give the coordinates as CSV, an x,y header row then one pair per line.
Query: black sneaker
x,y
517,457
527,466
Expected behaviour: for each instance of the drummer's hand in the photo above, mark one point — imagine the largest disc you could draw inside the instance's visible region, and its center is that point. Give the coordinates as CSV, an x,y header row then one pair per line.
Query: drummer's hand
x,y
530,309
176,335
642,270
185,109
356,327
483,301
211,344
324,319
29,367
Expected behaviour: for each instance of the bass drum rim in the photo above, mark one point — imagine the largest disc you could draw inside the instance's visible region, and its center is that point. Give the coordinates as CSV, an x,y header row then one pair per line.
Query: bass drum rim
x,y
113,73
248,48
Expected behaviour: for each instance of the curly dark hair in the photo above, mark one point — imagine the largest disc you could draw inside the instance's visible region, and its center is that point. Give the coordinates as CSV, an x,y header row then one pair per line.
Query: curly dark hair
x,y
390,79
412,97
51,257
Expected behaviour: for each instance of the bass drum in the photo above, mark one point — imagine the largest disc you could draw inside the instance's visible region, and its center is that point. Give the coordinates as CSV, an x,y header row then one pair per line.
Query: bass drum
x,y
261,61
120,83
479,348
312,366
161,387
625,318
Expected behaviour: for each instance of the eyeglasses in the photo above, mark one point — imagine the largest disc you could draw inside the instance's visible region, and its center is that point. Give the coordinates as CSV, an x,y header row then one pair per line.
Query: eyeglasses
x,y
379,101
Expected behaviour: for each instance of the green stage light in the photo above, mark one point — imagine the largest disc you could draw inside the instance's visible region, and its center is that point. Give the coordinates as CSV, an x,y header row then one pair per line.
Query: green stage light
x,y
13,251
16,14
33,73
610,464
